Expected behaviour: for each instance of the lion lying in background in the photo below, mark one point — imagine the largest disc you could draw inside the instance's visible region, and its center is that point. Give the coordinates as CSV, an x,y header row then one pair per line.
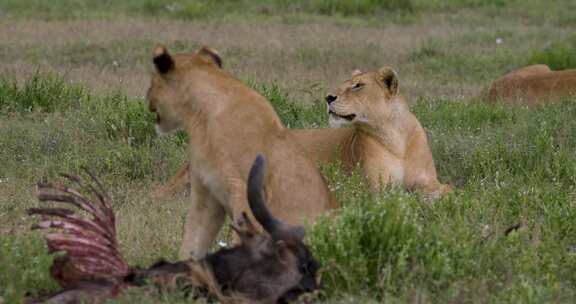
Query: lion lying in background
x,y
386,139
533,85
228,124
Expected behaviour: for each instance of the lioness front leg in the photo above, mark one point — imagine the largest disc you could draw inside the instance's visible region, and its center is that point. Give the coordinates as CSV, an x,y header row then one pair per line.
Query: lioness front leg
x,y
238,203
378,175
433,190
204,220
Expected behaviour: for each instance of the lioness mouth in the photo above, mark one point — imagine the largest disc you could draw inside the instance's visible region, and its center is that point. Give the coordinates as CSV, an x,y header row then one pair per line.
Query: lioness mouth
x,y
157,118
347,117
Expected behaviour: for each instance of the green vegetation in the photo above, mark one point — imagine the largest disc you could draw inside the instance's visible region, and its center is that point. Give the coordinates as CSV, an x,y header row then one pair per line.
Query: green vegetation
x,y
293,114
45,94
71,89
124,126
558,56
455,65
356,7
191,9
511,166
28,259
198,8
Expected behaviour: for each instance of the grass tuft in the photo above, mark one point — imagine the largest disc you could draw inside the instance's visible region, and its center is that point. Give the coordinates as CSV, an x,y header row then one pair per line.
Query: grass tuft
x,y
558,56
293,114
45,93
358,7
24,267
194,9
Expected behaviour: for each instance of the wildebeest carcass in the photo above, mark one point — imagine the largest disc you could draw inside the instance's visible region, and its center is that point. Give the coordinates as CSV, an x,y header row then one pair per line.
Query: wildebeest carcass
x,y
273,266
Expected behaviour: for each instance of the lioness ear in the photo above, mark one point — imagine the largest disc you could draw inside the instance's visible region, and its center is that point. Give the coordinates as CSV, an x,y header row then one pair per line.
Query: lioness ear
x,y
356,72
388,77
162,59
210,55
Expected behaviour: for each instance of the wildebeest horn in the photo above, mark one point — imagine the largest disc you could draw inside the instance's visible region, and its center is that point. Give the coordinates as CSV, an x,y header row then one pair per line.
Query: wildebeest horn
x,y
274,227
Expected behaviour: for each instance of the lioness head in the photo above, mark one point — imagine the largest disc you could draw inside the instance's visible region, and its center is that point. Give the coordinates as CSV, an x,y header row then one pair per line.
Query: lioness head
x,y
169,80
362,97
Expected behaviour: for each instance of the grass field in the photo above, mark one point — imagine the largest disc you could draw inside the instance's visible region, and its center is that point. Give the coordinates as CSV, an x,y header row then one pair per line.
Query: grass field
x,y
73,76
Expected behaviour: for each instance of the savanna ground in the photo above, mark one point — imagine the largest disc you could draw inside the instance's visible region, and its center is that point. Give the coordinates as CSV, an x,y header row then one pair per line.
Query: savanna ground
x,y
73,76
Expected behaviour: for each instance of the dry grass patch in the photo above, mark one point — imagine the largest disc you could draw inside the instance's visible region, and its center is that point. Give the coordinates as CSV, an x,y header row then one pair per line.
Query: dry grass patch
x,y
298,55
306,57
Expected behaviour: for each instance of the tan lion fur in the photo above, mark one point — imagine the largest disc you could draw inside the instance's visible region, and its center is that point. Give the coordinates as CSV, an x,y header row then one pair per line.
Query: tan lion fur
x,y
385,138
533,85
228,124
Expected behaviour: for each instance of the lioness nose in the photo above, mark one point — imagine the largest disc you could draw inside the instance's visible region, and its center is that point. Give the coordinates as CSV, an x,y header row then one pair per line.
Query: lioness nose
x,y
331,98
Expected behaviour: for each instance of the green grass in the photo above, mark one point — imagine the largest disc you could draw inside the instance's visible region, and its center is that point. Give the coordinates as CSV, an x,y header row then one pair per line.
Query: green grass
x,y
460,4
510,166
114,55
558,56
194,9
27,257
53,124
45,94
189,9
357,7
294,114
454,64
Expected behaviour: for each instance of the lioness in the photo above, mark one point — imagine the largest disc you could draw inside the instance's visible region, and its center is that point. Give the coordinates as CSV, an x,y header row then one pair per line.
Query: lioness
x,y
386,139
228,124
533,85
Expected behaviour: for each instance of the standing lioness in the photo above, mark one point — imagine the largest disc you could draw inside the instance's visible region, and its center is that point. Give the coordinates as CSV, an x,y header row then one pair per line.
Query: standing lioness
x,y
385,138
228,124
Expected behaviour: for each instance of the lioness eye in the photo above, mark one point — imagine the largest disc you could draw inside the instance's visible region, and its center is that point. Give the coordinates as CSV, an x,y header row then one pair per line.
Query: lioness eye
x,y
357,86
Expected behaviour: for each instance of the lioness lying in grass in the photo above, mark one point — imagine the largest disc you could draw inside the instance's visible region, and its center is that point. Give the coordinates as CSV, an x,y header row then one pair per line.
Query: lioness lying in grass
x,y
533,85
385,139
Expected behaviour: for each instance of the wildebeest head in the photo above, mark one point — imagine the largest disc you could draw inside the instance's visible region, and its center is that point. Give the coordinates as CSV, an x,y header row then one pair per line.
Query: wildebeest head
x,y
274,266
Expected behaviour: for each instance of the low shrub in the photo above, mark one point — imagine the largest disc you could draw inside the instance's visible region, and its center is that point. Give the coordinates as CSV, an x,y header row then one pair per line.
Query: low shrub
x,y
24,267
558,56
292,113
46,93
